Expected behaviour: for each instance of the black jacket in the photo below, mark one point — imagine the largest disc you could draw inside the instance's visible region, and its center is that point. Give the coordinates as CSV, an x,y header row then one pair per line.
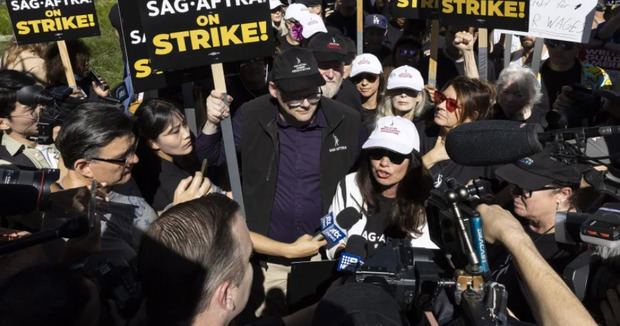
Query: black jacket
x,y
259,147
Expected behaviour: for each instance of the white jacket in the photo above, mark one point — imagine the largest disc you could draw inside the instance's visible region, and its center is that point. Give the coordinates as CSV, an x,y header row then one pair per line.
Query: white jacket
x,y
353,198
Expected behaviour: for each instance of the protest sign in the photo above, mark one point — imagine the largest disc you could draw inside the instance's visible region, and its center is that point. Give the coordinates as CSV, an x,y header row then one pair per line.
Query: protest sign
x,y
189,33
565,20
511,14
37,21
605,58
415,9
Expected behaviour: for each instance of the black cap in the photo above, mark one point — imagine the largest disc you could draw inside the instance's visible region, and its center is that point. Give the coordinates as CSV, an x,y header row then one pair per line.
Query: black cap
x,y
328,47
296,69
351,50
538,170
357,304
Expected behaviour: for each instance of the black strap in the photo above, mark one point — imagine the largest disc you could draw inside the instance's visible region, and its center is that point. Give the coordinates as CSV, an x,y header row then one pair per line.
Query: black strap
x,y
343,188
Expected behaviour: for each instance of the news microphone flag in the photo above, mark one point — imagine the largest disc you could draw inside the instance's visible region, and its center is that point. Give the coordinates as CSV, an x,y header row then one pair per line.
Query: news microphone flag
x,y
349,262
333,234
327,220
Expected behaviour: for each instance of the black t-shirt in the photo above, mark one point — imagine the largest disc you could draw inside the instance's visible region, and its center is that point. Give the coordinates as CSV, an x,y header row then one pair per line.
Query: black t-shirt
x,y
376,225
369,119
349,96
443,170
554,80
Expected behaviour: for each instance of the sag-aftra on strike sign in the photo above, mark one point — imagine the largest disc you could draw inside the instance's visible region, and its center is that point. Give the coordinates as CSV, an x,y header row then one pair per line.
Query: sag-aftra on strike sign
x,y
52,20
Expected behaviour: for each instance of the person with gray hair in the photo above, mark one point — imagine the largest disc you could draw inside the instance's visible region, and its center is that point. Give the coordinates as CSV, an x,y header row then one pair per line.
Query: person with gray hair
x,y
519,96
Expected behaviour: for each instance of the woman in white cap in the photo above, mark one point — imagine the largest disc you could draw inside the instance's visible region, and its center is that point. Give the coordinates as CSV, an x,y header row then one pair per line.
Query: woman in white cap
x,y
388,189
404,95
367,75
277,15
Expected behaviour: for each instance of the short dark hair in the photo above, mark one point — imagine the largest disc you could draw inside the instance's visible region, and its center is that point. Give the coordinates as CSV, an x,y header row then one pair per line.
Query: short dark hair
x,y
54,69
185,255
154,116
10,82
88,128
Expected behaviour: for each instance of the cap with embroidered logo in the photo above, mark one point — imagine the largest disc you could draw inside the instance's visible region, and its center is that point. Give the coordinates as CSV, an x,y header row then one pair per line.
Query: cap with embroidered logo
x,y
328,47
366,63
312,24
375,21
273,4
295,11
396,134
405,77
296,69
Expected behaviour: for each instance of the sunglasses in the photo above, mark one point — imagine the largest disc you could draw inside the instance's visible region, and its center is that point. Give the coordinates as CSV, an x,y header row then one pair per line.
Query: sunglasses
x,y
560,44
451,104
380,153
293,103
518,191
408,52
407,91
371,78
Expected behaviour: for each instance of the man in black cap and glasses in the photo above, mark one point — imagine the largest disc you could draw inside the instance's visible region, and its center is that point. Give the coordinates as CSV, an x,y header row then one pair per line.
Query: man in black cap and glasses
x,y
295,145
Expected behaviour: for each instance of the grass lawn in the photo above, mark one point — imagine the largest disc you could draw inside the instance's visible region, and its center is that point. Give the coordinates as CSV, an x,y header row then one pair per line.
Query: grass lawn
x,y
106,57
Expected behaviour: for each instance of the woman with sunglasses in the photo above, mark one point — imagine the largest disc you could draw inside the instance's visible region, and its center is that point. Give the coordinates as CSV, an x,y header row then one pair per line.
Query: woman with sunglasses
x,y
367,75
405,96
166,171
519,97
462,100
388,189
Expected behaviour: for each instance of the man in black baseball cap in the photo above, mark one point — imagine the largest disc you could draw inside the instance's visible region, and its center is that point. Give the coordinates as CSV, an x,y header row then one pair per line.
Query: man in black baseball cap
x,y
330,51
295,146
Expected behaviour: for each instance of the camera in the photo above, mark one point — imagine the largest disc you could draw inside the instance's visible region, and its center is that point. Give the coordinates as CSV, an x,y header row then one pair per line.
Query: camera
x,y
25,191
52,114
586,109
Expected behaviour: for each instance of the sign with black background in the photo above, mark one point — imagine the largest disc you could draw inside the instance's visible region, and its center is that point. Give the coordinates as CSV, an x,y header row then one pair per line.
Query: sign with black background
x,y
37,21
189,33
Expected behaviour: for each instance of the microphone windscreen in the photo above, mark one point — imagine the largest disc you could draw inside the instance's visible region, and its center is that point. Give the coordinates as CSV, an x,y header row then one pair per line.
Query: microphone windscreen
x,y
347,217
491,142
356,245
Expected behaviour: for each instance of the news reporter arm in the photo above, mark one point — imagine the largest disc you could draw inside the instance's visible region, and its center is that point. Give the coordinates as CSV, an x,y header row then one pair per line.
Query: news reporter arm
x,y
464,41
552,301
304,246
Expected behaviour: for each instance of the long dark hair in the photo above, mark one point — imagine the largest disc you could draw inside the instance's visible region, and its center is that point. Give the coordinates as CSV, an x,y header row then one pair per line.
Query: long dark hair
x,y
408,214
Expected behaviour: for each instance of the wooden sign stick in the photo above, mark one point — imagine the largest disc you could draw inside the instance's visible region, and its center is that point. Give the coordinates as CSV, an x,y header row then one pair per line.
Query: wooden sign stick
x,y
66,62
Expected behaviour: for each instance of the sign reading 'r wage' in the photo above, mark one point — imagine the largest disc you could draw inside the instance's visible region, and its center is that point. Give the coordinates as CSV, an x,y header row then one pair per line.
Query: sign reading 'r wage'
x,y
188,33
37,21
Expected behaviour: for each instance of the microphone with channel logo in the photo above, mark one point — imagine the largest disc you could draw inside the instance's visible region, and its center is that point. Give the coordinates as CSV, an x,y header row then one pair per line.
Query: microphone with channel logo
x,y
334,230
354,254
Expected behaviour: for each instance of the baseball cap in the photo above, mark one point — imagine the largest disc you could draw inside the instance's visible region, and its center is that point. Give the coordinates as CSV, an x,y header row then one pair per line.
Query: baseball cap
x,y
296,69
538,170
273,4
328,47
396,134
375,21
405,77
351,49
295,11
366,62
312,24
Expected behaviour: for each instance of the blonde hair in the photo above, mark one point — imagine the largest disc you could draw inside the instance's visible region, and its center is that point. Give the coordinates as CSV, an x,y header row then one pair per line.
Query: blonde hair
x,y
385,108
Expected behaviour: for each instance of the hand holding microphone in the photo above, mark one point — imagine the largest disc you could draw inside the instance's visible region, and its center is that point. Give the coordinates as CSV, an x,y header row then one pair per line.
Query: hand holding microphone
x,y
334,230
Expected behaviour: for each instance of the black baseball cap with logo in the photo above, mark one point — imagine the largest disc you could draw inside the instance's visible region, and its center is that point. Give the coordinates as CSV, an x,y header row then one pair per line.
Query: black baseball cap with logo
x,y
328,47
296,69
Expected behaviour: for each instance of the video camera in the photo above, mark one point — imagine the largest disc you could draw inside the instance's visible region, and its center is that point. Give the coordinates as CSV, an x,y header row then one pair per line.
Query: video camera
x,y
53,112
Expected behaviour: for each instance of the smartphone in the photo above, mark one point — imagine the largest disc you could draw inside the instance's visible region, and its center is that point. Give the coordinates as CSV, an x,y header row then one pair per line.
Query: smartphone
x,y
95,78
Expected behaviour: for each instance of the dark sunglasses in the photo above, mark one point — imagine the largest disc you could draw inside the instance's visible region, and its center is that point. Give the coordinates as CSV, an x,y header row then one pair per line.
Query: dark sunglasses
x,y
371,78
560,44
451,104
408,52
380,153
295,101
518,191
398,91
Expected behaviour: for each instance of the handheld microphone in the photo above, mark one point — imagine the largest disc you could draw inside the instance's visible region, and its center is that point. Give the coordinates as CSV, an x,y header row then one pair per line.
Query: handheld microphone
x,y
334,232
354,255
72,228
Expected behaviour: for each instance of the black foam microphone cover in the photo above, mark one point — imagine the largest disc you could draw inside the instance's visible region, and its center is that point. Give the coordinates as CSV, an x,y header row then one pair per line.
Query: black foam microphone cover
x,y
347,217
356,245
490,142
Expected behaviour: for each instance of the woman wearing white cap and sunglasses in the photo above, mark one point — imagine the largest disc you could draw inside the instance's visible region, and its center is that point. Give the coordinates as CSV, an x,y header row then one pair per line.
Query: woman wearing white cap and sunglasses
x,y
388,189
367,75
404,95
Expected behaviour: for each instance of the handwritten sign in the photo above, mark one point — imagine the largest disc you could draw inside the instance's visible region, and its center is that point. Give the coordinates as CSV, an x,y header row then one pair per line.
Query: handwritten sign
x,y
604,58
183,34
52,20
565,20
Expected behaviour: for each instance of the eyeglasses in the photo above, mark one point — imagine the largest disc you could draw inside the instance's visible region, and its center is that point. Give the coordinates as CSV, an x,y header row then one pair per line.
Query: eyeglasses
x,y
518,191
120,161
293,103
407,91
561,44
451,104
380,153
371,78
408,52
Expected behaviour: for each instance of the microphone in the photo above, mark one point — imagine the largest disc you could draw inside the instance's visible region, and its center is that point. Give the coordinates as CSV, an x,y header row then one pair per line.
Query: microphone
x,y
490,142
354,255
572,133
332,229
72,228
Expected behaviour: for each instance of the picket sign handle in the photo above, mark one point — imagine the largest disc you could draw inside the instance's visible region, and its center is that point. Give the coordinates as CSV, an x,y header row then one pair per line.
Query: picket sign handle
x,y
360,27
219,81
483,53
507,49
432,63
66,62
537,55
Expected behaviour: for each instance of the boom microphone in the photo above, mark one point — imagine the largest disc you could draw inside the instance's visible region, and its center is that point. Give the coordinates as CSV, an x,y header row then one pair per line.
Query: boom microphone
x,y
72,228
490,142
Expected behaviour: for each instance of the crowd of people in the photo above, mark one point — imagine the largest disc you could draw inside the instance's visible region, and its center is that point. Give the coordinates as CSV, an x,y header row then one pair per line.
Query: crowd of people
x,y
318,129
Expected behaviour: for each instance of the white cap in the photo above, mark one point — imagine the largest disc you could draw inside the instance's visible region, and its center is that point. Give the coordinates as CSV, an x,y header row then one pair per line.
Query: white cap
x,y
273,4
394,133
295,11
405,77
366,62
312,24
